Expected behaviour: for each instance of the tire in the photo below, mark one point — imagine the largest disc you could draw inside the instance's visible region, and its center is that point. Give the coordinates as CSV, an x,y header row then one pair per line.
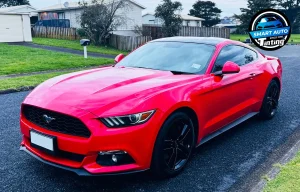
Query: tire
x,y
173,147
270,102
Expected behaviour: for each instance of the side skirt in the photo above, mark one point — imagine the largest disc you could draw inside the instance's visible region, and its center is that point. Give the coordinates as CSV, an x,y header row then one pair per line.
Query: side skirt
x,y
227,127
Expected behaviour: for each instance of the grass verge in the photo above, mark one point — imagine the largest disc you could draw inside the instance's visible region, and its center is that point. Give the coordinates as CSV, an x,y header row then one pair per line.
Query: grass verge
x,y
73,44
237,37
27,81
288,180
18,59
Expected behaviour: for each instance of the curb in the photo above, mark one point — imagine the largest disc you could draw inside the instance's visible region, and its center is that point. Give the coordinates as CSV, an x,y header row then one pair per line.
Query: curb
x,y
17,90
275,170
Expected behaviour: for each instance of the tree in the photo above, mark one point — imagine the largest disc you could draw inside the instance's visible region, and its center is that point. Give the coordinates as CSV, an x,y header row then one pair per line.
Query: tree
x,y
291,8
254,6
101,17
208,11
9,3
169,13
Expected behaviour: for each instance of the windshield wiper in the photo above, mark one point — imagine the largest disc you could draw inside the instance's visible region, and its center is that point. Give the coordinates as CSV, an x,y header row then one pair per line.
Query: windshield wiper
x,y
181,73
141,67
174,72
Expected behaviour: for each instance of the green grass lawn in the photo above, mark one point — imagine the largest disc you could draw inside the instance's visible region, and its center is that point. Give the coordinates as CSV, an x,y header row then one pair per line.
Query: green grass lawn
x,y
294,37
72,44
19,59
288,180
27,81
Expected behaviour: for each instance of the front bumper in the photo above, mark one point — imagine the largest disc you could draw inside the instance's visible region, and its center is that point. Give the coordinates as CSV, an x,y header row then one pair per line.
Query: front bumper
x,y
79,172
138,141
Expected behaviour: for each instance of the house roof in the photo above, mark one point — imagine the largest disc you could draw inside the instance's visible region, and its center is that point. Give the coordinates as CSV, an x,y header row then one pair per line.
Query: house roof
x,y
75,5
226,25
184,17
3,13
14,10
191,18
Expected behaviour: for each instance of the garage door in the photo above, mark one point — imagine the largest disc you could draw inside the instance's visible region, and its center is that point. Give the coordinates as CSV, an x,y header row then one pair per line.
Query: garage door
x,y
11,28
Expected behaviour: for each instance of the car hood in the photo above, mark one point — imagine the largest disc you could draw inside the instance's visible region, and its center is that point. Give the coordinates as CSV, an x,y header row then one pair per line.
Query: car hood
x,y
105,88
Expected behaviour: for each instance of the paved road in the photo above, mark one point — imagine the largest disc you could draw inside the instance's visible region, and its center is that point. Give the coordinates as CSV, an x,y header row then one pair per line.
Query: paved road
x,y
233,161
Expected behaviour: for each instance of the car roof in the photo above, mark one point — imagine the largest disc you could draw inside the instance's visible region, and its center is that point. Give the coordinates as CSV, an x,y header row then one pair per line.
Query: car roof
x,y
204,40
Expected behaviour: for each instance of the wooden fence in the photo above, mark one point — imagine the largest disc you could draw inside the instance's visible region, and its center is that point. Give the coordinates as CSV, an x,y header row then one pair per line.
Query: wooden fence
x,y
55,32
128,43
156,31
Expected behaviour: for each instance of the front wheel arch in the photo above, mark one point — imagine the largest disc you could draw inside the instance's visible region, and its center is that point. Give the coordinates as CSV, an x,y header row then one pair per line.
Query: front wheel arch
x,y
156,162
192,114
276,79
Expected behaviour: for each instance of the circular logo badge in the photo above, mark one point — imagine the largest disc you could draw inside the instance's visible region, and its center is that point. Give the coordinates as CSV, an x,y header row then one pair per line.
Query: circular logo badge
x,y
270,29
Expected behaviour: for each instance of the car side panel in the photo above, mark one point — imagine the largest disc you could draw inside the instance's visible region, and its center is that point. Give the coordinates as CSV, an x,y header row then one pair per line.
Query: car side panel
x,y
232,96
266,71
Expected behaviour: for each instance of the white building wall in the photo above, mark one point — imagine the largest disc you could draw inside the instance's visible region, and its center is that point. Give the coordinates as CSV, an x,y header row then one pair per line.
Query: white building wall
x,y
74,17
192,23
152,20
27,28
15,28
133,14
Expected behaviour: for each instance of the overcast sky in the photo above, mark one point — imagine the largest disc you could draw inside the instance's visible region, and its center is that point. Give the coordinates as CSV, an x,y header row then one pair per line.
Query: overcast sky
x,y
228,7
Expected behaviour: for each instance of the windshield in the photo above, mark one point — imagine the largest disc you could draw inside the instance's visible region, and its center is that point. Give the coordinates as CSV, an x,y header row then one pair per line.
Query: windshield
x,y
271,19
171,56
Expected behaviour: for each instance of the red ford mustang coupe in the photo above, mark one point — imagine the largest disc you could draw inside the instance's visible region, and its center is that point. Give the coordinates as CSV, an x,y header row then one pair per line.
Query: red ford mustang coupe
x,y
151,109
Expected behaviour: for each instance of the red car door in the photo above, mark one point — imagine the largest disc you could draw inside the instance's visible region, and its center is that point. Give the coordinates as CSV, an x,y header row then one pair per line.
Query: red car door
x,y
231,95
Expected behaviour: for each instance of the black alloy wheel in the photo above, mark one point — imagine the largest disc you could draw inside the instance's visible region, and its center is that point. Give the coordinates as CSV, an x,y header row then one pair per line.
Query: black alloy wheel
x,y
174,145
178,144
270,103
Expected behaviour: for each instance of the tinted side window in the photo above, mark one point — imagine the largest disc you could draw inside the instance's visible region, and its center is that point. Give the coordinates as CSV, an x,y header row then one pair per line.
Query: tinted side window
x,y
230,53
250,56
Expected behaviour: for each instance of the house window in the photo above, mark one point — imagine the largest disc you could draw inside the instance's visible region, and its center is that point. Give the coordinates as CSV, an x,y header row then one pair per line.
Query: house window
x,y
198,24
61,15
187,23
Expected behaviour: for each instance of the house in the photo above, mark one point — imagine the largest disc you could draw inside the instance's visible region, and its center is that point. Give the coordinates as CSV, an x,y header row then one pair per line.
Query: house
x,y
229,22
15,27
71,11
150,19
22,9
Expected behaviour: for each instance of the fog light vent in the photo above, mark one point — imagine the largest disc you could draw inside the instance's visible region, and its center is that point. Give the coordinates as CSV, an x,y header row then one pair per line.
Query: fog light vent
x,y
114,158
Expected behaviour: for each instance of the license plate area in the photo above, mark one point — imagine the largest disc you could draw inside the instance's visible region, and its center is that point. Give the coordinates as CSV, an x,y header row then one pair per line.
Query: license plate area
x,y
43,142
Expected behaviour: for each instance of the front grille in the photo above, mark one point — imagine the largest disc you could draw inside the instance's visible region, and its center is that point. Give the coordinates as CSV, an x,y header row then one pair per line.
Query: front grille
x,y
60,122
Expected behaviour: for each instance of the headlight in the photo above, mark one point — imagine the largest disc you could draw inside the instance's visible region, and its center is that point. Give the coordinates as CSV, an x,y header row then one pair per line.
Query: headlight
x,y
127,120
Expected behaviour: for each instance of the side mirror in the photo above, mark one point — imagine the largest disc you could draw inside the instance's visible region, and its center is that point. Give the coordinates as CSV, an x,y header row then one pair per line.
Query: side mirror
x,y
119,58
229,68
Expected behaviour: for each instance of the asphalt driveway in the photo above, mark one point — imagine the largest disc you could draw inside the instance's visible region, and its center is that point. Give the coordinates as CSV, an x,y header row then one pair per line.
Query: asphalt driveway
x,y
234,161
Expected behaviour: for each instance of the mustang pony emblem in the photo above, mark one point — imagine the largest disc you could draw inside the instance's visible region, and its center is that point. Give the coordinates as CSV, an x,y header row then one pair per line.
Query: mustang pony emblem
x,y
48,119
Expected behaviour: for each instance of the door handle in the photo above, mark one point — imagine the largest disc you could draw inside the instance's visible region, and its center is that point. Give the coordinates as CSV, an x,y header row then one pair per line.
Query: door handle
x,y
253,74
